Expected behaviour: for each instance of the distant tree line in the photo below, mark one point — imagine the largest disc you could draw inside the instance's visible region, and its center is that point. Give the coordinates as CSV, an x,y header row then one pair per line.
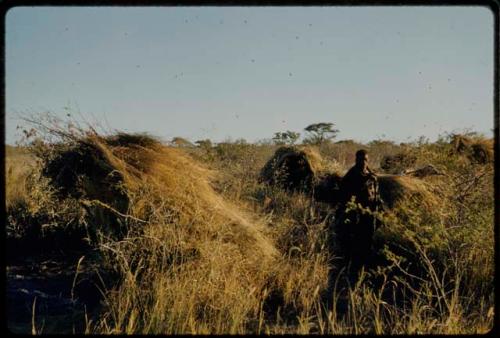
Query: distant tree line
x,y
316,134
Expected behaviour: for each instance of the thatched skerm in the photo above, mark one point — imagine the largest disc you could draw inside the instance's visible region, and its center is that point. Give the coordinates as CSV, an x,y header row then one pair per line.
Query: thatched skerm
x,y
304,169
179,230
482,152
85,171
478,150
295,168
395,188
327,188
398,163
461,143
392,189
131,177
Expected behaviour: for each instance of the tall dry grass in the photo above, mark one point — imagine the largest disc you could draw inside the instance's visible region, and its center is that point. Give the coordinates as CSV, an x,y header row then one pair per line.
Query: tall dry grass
x,y
210,249
18,167
431,245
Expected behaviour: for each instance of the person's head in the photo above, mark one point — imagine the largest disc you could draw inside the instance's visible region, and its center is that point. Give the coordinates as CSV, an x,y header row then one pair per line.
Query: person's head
x,y
362,159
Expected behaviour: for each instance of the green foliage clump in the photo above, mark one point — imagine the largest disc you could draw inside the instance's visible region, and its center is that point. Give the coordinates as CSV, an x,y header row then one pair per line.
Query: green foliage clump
x,y
286,138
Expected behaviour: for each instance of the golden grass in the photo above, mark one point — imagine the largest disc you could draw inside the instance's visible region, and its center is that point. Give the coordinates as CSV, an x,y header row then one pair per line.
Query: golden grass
x,y
210,256
306,159
18,166
477,148
190,245
395,188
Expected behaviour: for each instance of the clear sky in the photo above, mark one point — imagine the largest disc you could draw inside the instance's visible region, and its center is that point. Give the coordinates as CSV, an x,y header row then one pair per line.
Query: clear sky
x,y
247,72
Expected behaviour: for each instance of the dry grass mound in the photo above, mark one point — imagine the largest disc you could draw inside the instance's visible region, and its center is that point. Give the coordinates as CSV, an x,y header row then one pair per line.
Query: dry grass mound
x,y
188,259
396,164
84,172
460,143
327,188
113,172
478,149
395,188
184,244
303,168
482,152
18,166
296,168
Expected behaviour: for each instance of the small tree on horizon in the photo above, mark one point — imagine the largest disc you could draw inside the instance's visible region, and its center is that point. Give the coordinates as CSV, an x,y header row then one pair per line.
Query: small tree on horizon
x,y
320,133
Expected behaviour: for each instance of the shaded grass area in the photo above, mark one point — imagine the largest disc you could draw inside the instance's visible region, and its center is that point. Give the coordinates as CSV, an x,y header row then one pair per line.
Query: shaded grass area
x,y
191,241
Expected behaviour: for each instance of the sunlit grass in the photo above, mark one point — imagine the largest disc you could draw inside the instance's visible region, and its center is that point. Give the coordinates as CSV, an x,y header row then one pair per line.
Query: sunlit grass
x,y
225,253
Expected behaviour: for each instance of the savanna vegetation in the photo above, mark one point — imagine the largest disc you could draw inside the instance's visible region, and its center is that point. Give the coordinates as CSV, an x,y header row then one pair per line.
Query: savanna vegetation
x,y
139,236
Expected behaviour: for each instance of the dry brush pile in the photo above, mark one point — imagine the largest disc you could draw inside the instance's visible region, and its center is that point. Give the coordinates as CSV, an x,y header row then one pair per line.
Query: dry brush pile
x,y
189,260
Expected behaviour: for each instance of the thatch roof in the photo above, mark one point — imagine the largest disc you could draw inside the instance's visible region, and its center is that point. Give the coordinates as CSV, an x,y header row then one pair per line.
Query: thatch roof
x,y
134,175
395,188
296,168
477,149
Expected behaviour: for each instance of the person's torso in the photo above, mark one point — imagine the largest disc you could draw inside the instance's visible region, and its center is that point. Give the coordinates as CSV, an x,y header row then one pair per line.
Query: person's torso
x,y
363,186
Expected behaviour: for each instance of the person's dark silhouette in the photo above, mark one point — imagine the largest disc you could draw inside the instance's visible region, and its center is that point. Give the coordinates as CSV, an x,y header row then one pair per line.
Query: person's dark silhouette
x,y
355,226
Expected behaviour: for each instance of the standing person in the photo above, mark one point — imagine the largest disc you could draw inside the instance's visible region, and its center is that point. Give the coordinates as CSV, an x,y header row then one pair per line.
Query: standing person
x,y
355,228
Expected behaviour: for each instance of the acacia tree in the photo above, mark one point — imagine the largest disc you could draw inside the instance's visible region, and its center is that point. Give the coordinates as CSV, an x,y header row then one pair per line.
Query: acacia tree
x,y
318,133
287,137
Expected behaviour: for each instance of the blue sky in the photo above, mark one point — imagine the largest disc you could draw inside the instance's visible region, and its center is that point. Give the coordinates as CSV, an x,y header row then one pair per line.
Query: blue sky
x,y
248,72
